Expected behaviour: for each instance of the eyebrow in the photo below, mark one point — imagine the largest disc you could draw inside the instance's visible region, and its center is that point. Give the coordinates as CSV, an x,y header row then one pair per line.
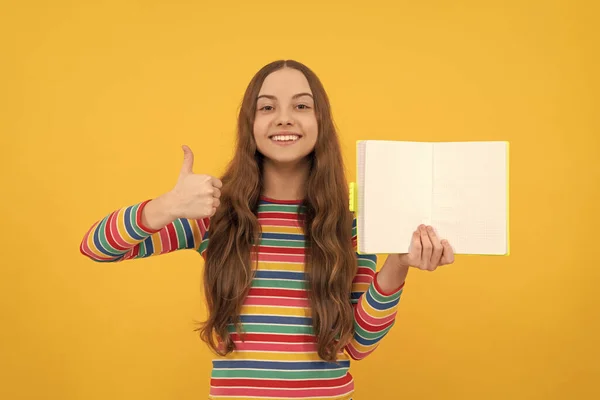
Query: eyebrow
x,y
269,96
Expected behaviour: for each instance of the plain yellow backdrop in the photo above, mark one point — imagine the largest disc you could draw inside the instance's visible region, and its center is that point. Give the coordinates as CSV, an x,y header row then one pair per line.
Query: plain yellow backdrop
x,y
97,98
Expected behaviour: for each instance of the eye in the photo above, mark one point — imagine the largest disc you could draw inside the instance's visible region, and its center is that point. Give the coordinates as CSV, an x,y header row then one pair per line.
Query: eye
x,y
266,108
303,106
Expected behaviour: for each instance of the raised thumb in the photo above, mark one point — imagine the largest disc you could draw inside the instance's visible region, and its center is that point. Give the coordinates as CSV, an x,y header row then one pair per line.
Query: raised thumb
x,y
188,161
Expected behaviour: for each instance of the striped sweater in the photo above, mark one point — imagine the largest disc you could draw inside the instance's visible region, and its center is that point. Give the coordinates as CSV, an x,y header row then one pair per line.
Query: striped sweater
x,y
278,357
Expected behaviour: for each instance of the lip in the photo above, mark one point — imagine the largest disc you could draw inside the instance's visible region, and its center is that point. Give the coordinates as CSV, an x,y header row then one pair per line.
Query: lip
x,y
284,133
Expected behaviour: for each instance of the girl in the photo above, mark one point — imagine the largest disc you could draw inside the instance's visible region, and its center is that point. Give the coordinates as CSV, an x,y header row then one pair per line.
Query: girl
x,y
289,299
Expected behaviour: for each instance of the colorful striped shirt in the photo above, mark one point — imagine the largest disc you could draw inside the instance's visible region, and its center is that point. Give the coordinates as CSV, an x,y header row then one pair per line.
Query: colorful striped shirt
x,y
277,358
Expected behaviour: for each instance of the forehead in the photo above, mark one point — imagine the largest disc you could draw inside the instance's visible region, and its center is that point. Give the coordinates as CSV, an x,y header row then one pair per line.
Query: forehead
x,y
285,83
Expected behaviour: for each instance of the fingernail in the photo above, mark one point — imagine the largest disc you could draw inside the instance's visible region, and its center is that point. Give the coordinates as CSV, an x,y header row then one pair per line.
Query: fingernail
x,y
430,229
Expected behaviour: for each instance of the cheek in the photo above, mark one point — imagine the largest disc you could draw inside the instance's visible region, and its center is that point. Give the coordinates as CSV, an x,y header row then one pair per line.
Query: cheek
x,y
261,126
311,125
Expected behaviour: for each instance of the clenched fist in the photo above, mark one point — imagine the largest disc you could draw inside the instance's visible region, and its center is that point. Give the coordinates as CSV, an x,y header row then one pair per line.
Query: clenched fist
x,y
194,196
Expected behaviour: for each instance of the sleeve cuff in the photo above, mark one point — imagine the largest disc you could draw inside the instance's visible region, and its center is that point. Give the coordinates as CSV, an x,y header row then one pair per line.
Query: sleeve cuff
x,y
384,293
138,218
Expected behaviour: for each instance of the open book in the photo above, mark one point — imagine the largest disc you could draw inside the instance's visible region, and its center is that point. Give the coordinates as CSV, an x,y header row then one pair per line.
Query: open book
x,y
459,188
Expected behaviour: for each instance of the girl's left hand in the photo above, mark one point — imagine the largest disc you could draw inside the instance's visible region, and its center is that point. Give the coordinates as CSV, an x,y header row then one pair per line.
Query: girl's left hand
x,y
426,251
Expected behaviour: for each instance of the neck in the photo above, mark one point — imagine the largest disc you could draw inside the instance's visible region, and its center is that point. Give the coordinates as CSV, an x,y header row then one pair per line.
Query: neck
x,y
285,181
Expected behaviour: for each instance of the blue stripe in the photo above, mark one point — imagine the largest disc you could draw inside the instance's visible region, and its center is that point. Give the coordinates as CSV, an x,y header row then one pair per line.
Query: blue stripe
x,y
272,319
149,246
297,276
284,236
365,342
129,227
102,228
370,257
189,234
380,306
356,295
279,365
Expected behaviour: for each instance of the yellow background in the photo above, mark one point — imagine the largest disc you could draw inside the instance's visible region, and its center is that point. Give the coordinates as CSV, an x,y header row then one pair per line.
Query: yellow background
x,y
97,98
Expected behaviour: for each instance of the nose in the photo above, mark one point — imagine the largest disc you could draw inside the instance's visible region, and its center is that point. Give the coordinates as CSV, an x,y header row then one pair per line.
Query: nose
x,y
284,118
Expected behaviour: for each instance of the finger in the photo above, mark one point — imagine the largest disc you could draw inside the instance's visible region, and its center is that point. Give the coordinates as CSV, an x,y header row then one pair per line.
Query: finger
x,y
188,161
436,254
216,202
216,193
216,182
414,251
427,248
448,253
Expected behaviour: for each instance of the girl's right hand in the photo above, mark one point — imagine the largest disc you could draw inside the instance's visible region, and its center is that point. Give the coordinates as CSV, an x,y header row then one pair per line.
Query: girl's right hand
x,y
195,196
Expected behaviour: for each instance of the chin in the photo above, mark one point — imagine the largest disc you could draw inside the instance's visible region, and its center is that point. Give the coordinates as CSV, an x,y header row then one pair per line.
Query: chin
x,y
291,159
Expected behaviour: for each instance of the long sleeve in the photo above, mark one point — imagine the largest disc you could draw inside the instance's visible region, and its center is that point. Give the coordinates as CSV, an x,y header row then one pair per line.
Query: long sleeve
x,y
121,235
374,310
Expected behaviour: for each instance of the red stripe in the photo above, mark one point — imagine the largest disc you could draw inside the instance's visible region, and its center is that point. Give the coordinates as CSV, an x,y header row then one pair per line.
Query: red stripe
x,y
111,228
172,238
365,271
283,393
357,355
138,218
272,337
280,250
367,327
280,258
362,279
296,294
278,215
303,347
362,315
276,302
289,384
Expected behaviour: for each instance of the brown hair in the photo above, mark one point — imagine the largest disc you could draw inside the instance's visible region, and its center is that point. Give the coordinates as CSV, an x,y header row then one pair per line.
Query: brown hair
x,y
327,222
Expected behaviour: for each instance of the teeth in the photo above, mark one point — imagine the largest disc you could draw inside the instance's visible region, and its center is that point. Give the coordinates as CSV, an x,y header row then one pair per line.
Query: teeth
x,y
284,138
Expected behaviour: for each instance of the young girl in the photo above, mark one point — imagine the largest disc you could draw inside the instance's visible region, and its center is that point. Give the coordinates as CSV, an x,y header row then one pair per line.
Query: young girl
x,y
289,299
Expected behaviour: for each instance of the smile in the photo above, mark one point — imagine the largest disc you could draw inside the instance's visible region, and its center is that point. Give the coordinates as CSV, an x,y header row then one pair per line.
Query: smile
x,y
285,138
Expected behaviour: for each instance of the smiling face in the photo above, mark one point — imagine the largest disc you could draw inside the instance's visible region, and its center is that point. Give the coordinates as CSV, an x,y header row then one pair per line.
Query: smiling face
x,y
285,124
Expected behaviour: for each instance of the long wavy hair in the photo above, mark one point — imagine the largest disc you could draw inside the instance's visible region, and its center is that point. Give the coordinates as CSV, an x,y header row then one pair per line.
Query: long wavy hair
x,y
327,224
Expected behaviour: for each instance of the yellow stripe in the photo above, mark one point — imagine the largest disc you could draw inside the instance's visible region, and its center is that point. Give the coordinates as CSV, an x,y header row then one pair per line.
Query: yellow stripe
x,y
348,397
122,231
277,266
377,313
196,232
157,243
283,311
360,287
272,356
283,229
361,348
90,242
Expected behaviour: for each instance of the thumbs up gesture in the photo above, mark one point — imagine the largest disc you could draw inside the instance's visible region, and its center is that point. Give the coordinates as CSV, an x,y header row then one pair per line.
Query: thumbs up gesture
x,y
195,196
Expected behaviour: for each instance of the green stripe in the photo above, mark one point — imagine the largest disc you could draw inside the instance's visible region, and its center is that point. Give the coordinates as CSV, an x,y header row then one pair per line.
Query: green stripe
x,y
250,373
273,328
132,219
383,299
278,283
291,208
143,250
365,262
102,237
181,243
371,335
203,246
283,243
